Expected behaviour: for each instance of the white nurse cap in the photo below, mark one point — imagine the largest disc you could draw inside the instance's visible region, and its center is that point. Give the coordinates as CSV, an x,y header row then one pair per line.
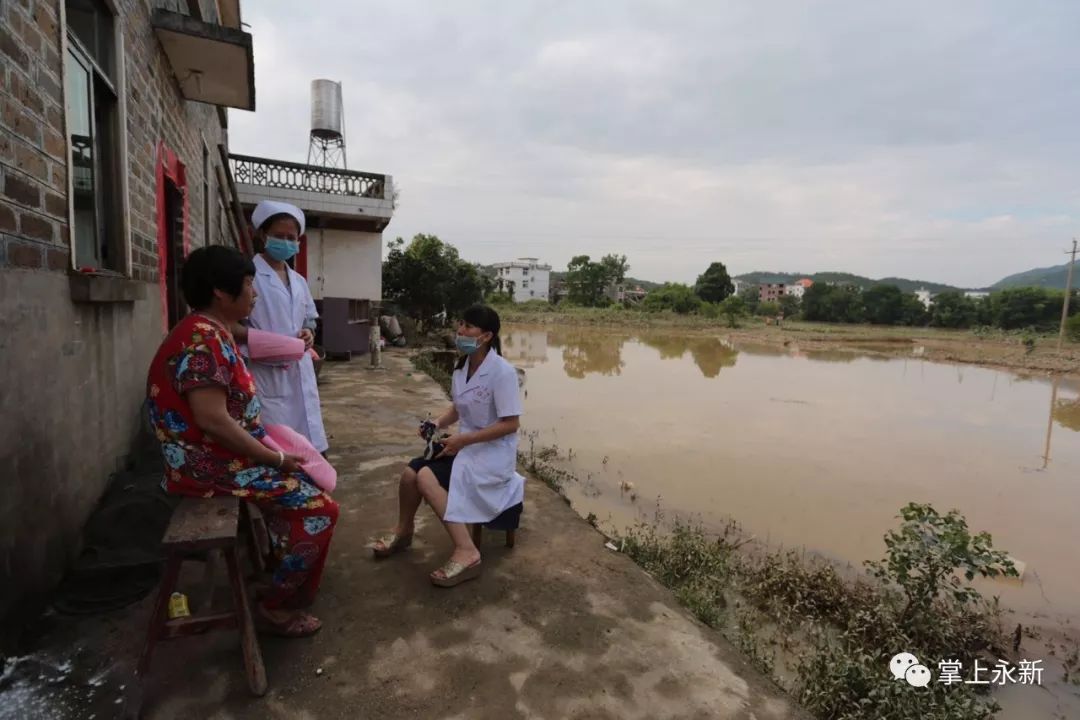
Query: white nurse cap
x,y
269,208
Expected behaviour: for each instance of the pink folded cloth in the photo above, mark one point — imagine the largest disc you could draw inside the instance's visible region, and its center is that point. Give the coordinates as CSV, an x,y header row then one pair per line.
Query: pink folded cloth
x,y
271,347
290,442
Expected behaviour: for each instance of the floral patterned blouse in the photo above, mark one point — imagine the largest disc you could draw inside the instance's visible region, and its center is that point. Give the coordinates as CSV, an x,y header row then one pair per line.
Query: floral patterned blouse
x,y
200,353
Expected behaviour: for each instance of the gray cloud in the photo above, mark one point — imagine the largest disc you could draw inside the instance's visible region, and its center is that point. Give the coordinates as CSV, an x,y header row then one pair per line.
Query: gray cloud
x,y
918,138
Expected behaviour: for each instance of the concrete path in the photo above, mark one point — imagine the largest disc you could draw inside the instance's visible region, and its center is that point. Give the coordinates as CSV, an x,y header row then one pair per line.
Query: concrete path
x,y
558,627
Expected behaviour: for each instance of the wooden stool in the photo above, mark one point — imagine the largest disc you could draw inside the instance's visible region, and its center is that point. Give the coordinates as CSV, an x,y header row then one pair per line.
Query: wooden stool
x,y
478,532
258,537
205,525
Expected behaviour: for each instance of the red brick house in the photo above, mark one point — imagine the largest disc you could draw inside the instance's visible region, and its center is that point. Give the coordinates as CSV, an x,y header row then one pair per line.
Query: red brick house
x,y
113,165
770,292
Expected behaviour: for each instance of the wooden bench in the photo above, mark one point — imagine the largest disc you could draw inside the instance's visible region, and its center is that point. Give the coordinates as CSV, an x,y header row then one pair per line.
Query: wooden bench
x,y
205,525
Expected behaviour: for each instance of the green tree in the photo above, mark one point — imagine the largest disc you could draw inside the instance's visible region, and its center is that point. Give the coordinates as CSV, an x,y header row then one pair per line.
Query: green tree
x,y
768,309
790,306
615,268
584,281
930,554
501,292
1072,328
588,281
428,277
815,304
714,284
952,309
732,307
673,296
833,303
913,312
884,304
846,304
751,296
1016,308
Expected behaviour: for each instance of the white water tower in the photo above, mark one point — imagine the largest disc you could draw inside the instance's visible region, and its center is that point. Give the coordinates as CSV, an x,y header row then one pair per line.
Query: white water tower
x,y
327,146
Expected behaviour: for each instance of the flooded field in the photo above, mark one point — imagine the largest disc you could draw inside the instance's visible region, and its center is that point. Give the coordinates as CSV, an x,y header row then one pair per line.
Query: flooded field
x,y
812,449
819,450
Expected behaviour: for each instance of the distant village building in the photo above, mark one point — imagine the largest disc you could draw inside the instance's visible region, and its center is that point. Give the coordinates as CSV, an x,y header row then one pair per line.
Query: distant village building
x,y
771,292
924,297
976,294
625,295
738,285
529,279
798,288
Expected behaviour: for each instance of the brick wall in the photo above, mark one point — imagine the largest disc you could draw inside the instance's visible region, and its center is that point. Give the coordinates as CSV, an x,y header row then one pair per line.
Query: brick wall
x,y
33,151
33,186
157,112
72,375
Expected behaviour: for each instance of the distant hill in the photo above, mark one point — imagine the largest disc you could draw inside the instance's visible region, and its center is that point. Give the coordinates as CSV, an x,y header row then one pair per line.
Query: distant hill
x,y
840,278
1050,277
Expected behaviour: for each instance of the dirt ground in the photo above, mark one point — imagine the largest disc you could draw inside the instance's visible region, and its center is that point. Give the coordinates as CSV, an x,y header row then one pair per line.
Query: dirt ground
x,y
558,627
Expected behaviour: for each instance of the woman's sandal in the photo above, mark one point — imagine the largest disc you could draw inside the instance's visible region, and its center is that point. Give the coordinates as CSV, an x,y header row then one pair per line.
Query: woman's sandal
x,y
391,543
454,573
299,625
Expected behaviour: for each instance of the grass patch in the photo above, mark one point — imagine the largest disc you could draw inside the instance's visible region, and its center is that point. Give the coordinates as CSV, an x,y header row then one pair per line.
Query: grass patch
x,y
424,361
828,639
538,461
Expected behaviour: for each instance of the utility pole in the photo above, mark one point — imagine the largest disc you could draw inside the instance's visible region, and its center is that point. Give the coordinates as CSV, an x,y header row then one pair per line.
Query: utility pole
x,y
1068,292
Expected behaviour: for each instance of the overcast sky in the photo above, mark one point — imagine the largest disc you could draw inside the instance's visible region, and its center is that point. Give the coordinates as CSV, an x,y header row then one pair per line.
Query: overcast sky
x,y
927,139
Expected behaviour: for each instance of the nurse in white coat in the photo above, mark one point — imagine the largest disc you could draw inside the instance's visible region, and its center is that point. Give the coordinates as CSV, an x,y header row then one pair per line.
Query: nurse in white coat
x,y
287,390
474,479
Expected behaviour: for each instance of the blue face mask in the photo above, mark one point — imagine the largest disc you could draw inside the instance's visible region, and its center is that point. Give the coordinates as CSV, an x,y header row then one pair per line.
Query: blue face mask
x,y
282,249
466,345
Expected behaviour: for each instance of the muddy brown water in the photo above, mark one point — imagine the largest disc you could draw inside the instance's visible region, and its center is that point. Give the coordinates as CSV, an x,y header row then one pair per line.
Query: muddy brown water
x,y
815,450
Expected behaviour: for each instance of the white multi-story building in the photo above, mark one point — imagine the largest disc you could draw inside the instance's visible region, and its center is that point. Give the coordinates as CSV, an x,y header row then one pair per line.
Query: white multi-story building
x,y
925,297
798,288
531,279
976,294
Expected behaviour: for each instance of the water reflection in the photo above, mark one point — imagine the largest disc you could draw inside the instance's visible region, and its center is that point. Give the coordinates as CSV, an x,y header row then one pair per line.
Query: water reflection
x,y
850,436
710,354
1067,414
586,351
525,348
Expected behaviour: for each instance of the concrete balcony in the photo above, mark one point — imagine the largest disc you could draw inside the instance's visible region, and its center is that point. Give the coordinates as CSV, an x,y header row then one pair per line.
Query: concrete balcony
x,y
213,63
341,199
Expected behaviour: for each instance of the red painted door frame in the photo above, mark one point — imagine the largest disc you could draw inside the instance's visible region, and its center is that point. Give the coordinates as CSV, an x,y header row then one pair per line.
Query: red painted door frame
x,y
301,257
169,168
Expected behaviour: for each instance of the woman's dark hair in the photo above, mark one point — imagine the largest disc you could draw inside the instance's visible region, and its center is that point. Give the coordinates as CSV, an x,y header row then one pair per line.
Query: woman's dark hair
x,y
210,268
486,319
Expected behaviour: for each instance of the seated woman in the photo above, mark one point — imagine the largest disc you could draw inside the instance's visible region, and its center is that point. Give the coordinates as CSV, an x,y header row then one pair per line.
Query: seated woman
x,y
202,404
473,479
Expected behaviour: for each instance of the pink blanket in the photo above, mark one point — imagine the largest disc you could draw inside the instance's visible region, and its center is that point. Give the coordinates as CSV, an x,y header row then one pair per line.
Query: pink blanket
x,y
290,442
272,347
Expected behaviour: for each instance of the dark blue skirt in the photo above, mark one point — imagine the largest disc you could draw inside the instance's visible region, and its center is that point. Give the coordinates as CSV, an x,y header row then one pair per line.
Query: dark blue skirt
x,y
508,519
